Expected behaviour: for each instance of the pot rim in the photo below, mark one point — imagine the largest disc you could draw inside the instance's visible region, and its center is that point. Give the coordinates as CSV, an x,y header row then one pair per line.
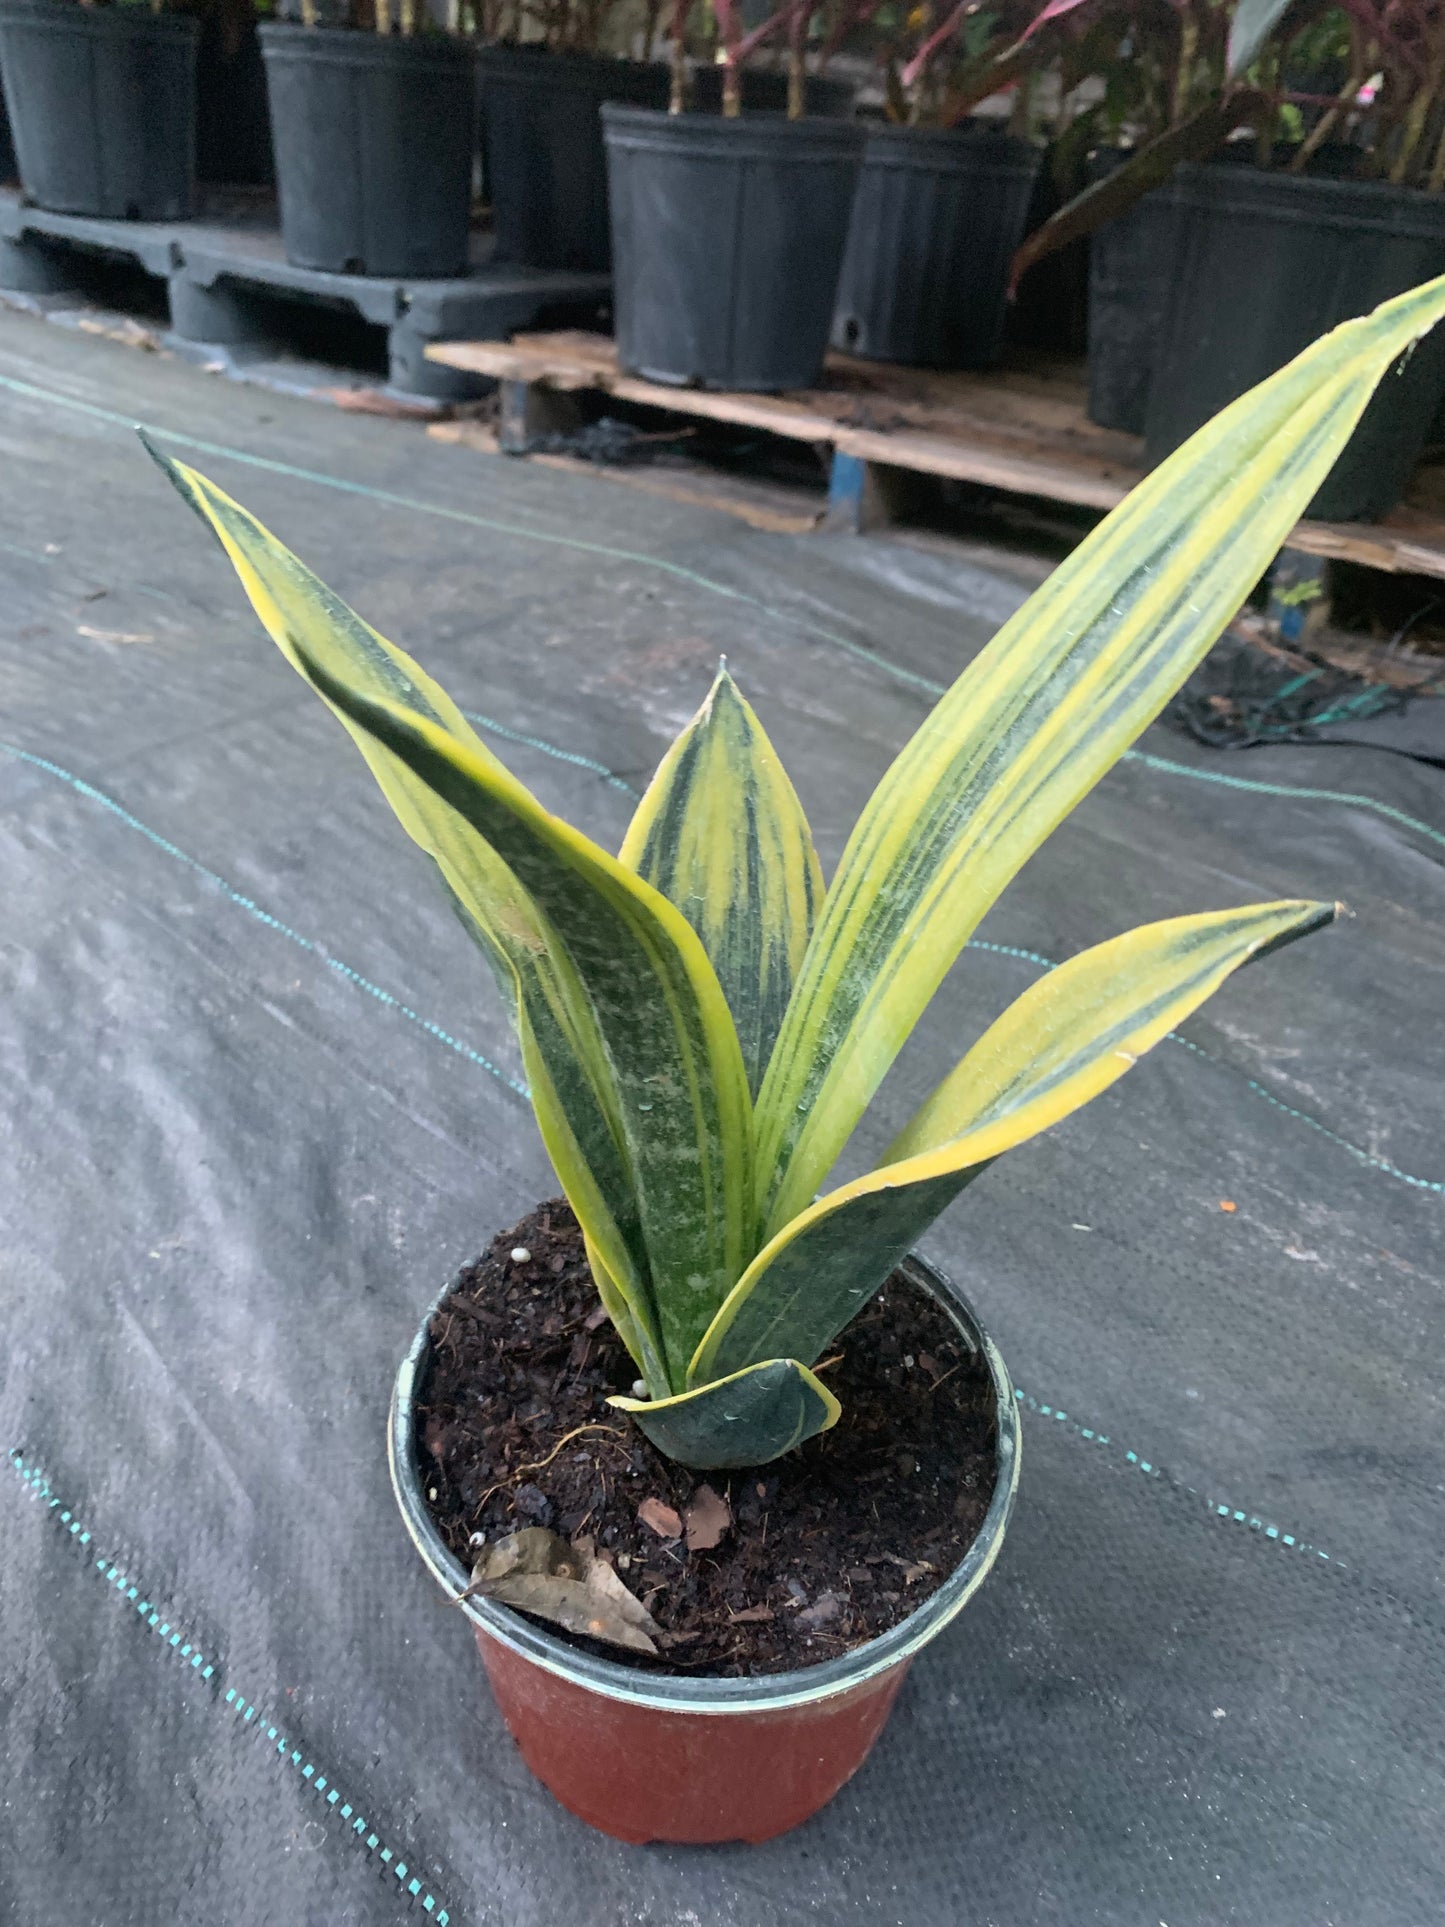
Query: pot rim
x,y
1324,200
355,47
974,140
118,23
758,133
676,1693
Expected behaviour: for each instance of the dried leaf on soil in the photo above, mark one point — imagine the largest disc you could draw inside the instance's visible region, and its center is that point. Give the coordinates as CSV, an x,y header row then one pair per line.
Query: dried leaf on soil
x,y
536,1571
660,1518
707,1518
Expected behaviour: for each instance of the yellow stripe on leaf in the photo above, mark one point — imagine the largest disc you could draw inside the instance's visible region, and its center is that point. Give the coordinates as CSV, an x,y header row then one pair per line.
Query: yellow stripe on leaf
x,y
751,1416
682,1217
722,834
1034,722
1070,1036
683,1093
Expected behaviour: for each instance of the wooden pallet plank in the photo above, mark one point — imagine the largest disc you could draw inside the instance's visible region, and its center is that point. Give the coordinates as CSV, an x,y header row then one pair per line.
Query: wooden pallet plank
x,y
1021,430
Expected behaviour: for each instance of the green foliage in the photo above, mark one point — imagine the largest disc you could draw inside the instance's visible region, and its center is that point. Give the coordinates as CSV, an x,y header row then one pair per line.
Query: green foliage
x,y
703,1025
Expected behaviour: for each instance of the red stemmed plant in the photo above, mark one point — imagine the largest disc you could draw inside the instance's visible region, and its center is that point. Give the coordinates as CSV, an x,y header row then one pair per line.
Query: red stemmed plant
x,y
737,44
1228,77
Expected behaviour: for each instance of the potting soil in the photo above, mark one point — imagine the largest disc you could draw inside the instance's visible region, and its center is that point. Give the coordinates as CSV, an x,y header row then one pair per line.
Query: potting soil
x,y
259,1101
799,1560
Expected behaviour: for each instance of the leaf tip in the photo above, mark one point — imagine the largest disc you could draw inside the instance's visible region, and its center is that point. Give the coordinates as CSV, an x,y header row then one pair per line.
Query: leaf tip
x,y
723,683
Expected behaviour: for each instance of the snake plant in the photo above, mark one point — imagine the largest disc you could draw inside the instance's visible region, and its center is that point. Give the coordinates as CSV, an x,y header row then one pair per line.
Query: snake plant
x,y
703,1023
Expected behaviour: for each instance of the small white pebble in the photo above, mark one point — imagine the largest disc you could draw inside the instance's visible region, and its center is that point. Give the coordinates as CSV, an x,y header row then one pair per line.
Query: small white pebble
x,y
520,1255
624,1561
1219,1713
431,1492
639,1388
908,1361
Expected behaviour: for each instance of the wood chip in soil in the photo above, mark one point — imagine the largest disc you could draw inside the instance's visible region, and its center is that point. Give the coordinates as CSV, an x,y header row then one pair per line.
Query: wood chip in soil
x,y
814,1554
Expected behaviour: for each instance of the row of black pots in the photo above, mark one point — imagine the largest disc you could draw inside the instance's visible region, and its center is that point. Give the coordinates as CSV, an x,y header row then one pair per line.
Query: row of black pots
x,y
744,247
741,247
373,148
1208,286
373,137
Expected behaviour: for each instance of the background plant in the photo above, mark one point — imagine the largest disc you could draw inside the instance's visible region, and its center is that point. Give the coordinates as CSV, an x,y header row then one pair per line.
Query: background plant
x,y
405,17
1256,68
703,1025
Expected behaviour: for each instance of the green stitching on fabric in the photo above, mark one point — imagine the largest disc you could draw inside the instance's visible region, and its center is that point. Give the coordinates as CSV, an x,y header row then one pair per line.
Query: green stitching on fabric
x,y
89,791
551,749
1154,1471
392,500
38,1487
253,909
1252,1084
1352,799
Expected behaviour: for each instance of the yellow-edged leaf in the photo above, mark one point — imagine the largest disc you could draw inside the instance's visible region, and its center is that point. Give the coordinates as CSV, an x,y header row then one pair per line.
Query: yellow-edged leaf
x,y
752,1416
639,1341
1034,722
722,834
576,1093
683,1093
1070,1036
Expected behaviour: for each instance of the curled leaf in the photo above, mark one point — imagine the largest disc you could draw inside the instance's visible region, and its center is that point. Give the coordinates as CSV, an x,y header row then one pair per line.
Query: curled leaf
x,y
537,1572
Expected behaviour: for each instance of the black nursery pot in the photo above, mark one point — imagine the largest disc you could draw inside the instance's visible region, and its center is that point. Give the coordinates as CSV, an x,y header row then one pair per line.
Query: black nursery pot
x,y
1050,308
546,166
1129,283
7,148
937,216
1262,264
727,237
233,124
102,105
374,139
542,137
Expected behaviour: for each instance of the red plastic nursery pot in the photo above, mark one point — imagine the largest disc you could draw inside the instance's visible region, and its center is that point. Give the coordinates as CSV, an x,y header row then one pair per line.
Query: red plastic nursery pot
x,y
656,1756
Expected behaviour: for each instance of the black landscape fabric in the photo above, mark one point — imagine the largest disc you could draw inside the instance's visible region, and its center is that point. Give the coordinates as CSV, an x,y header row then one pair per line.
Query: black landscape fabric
x,y
258,1102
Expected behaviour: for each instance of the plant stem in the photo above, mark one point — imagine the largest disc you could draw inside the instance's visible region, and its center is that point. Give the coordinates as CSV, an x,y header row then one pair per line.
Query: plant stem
x,y
677,99
732,90
308,13
895,99
1184,72
1426,95
1018,120
797,67
1329,120
383,16
1269,116
408,16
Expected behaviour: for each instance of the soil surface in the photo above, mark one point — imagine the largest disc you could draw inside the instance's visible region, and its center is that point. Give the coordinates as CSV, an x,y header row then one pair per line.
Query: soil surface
x,y
817,1551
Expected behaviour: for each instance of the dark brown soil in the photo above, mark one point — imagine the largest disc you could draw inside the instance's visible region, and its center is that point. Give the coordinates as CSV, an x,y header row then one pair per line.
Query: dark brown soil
x,y
828,1547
